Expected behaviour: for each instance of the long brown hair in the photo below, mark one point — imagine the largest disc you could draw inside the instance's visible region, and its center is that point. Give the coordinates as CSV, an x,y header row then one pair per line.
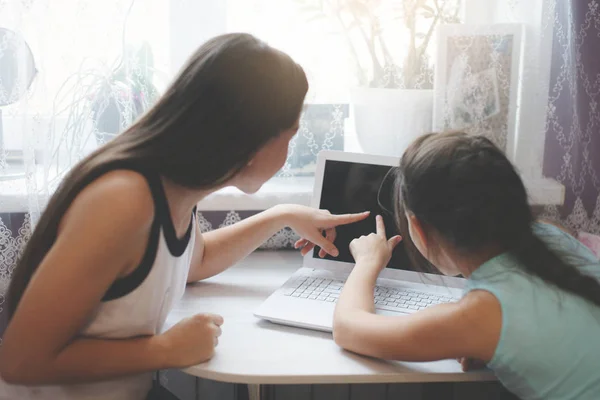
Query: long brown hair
x,y
234,95
466,190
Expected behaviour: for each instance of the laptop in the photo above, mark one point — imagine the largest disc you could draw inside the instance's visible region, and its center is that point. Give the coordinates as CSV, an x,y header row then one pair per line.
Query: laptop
x,y
352,183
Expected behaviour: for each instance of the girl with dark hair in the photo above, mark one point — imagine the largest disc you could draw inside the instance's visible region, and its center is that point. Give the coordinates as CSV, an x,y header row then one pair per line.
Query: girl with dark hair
x,y
119,239
531,309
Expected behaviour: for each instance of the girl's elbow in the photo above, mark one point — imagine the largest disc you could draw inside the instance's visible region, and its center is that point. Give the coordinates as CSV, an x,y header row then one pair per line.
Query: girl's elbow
x,y
347,335
342,332
338,329
338,336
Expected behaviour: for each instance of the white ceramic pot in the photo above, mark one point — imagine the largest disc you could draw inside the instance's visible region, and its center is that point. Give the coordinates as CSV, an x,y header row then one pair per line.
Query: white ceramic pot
x,y
386,121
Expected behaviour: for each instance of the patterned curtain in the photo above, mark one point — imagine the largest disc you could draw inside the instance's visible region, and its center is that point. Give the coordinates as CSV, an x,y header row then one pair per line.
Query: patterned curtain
x,y
572,154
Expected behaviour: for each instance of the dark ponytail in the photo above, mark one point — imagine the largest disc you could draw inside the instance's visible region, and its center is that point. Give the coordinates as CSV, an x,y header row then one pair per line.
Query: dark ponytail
x,y
465,190
538,260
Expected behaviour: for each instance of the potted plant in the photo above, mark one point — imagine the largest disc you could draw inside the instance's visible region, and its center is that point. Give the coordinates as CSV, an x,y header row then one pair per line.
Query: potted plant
x,y
95,104
125,94
388,43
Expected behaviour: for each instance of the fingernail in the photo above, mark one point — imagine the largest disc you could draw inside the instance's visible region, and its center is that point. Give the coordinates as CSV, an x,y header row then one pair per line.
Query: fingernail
x,y
335,253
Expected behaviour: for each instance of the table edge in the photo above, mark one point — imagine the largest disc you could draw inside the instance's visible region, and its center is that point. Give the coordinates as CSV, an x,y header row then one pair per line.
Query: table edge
x,y
410,377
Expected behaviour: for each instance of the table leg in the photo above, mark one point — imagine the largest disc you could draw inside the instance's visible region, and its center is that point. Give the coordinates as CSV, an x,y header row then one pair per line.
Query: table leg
x,y
254,392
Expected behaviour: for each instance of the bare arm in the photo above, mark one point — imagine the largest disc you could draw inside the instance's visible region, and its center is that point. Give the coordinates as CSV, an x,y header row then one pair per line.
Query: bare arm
x,y
469,328
439,332
102,235
221,248
217,250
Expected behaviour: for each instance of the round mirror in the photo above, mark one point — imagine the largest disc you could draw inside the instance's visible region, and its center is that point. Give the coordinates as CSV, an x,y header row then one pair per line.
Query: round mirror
x,y
17,71
17,67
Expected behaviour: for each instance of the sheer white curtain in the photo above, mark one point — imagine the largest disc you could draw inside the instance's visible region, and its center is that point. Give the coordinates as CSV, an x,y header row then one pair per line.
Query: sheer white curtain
x,y
73,73
398,66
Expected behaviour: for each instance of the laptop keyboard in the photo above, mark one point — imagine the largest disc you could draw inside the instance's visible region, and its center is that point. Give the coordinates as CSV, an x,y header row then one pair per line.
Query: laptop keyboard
x,y
386,298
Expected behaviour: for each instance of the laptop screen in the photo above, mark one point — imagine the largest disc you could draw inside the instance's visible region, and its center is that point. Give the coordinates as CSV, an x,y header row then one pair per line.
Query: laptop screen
x,y
351,187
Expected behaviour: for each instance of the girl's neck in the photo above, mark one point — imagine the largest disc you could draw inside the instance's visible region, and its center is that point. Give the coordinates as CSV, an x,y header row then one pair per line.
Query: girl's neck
x,y
466,264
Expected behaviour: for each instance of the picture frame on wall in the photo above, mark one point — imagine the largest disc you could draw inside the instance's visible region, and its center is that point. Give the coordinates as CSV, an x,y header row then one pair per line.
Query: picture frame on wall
x,y
476,83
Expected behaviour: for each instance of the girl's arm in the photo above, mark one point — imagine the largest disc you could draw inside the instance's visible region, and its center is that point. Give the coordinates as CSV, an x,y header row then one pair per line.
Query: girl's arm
x,y
102,237
218,250
469,328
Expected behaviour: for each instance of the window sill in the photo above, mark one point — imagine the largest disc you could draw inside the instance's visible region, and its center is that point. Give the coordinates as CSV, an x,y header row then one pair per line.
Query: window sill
x,y
14,198
276,191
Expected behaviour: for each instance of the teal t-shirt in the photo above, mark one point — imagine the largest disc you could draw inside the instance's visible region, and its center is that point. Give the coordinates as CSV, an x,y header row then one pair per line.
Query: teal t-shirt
x,y
549,346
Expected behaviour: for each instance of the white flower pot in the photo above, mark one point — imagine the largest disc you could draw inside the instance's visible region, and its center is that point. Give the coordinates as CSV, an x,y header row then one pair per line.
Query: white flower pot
x,y
388,120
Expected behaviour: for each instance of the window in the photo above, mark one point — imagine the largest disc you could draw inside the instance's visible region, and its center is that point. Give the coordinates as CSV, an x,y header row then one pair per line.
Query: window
x,y
73,60
79,99
343,45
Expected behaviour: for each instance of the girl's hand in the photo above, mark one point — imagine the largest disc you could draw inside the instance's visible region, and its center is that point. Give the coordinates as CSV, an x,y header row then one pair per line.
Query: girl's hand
x,y
310,224
192,340
374,249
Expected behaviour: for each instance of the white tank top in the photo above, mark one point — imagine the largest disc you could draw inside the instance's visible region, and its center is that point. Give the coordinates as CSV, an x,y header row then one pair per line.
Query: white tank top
x,y
136,305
